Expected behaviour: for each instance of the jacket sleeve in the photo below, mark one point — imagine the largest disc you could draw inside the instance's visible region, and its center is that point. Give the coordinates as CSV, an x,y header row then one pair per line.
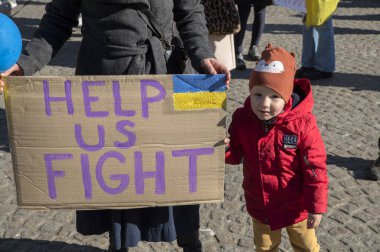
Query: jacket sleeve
x,y
313,160
54,30
234,152
191,24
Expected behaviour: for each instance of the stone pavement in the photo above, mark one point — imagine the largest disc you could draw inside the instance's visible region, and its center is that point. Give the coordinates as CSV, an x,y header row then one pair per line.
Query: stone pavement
x,y
347,107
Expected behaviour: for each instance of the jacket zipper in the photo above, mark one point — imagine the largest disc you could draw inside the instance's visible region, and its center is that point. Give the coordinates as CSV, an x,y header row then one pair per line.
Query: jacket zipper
x,y
308,165
266,129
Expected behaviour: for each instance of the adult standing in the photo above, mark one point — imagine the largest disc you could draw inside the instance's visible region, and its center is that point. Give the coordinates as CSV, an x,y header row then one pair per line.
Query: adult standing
x,y
244,9
116,41
318,46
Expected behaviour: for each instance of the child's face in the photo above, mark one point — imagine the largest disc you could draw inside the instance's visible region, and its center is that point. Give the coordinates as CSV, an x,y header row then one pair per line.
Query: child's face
x,y
265,102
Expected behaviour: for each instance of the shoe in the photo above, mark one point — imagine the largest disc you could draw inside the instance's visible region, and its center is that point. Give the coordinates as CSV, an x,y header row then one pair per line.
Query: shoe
x,y
300,71
6,9
374,171
253,53
118,250
240,64
316,75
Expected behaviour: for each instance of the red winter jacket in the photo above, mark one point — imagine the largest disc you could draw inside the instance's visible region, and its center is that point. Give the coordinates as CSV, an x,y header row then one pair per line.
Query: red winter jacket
x,y
285,174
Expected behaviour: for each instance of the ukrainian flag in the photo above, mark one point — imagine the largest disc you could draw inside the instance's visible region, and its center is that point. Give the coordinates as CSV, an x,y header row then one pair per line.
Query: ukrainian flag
x,y
199,91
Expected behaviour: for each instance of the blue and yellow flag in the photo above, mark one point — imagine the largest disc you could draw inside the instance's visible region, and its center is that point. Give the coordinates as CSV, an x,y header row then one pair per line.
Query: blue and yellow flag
x,y
197,92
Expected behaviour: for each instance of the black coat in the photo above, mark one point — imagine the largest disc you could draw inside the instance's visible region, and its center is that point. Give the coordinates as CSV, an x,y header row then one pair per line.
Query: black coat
x,y
117,42
115,39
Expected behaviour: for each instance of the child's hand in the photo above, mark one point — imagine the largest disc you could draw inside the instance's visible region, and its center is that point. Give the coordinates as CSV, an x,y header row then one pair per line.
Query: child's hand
x,y
313,220
226,141
227,146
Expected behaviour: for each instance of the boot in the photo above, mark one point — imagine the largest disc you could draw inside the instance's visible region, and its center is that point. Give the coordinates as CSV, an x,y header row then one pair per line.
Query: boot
x,y
240,64
253,53
190,242
111,248
317,75
302,70
118,250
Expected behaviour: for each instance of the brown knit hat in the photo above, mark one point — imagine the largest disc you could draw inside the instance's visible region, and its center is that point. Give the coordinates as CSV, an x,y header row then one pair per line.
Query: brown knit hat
x,y
275,70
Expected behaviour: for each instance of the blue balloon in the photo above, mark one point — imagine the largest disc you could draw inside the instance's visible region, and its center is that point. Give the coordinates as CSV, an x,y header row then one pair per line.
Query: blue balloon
x,y
10,43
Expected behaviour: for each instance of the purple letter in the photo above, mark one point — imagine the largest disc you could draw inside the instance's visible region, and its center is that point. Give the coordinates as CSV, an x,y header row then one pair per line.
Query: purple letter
x,y
144,96
159,174
87,99
117,101
67,98
123,178
131,136
51,174
192,154
86,176
83,145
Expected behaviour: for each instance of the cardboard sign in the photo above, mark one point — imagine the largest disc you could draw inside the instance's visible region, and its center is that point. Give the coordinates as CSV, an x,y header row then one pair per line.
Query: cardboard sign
x,y
298,5
88,142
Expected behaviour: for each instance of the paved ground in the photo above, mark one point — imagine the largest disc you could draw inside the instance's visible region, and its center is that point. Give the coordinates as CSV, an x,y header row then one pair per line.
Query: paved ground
x,y
348,111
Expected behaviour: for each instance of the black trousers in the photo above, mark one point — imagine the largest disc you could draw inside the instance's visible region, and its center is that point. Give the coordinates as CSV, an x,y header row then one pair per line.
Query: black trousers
x,y
257,27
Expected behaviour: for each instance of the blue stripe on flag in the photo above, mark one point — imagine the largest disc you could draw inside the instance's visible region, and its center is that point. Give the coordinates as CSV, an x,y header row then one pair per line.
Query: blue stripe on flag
x,y
187,83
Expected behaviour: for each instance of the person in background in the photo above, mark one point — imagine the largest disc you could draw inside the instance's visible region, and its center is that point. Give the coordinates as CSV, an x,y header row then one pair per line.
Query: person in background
x,y
222,22
244,8
116,41
374,171
277,138
318,46
6,6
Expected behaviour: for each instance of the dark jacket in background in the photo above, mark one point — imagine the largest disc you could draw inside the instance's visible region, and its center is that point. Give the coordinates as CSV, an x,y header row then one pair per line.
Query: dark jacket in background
x,y
115,39
117,42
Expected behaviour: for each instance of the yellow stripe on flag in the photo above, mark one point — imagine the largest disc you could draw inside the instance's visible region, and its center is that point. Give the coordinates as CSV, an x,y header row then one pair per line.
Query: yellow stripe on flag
x,y
199,100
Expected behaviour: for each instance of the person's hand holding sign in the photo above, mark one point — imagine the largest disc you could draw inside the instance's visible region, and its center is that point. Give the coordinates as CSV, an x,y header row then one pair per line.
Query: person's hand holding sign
x,y
212,66
15,70
10,48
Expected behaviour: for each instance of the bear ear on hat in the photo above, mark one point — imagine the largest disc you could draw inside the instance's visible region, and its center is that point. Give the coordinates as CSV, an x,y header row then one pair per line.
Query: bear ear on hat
x,y
268,46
